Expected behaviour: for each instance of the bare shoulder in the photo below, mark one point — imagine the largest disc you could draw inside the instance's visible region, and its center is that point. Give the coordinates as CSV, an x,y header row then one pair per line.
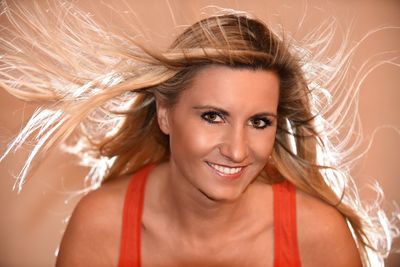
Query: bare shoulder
x,y
93,233
323,235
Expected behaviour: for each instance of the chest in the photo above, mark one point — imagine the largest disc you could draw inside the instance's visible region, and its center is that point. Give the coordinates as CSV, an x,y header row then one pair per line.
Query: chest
x,y
268,238
254,248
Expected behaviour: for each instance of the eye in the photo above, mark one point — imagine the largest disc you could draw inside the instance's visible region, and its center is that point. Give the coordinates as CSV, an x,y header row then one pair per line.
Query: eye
x,y
212,117
260,123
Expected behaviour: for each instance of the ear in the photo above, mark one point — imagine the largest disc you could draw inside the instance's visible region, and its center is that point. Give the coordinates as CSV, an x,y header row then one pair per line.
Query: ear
x,y
162,116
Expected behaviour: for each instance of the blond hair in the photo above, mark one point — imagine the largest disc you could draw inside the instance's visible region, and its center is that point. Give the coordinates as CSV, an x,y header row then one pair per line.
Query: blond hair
x,y
98,93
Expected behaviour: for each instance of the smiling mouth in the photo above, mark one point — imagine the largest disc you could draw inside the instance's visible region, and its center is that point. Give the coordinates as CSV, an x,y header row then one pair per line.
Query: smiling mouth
x,y
224,169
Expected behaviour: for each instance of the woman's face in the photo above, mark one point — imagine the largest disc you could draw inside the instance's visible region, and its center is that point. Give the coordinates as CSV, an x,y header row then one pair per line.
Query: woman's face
x,y
222,130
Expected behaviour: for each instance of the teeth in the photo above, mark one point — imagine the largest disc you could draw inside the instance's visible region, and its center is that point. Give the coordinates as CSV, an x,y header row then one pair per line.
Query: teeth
x,y
225,170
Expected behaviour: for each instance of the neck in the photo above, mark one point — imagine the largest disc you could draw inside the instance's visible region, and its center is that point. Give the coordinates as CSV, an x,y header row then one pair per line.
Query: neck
x,y
196,214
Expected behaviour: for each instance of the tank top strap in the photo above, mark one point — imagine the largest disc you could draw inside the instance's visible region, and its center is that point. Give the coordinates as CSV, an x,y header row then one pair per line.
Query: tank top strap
x,y
132,219
286,251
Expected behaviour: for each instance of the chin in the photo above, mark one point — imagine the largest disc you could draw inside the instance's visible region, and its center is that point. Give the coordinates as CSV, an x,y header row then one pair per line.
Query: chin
x,y
224,196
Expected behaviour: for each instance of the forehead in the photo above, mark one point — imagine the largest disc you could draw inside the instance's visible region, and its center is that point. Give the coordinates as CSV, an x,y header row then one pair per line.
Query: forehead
x,y
233,87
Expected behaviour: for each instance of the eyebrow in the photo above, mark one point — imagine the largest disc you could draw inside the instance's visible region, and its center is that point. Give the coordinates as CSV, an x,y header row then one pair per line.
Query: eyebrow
x,y
226,113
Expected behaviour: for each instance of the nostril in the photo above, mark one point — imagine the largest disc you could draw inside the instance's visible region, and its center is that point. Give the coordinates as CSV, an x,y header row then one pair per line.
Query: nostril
x,y
235,152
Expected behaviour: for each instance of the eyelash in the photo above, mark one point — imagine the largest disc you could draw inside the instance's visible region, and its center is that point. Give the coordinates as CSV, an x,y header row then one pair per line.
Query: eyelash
x,y
267,122
206,116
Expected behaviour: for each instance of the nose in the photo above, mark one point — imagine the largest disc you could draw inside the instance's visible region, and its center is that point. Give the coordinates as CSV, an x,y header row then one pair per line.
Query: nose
x,y
234,146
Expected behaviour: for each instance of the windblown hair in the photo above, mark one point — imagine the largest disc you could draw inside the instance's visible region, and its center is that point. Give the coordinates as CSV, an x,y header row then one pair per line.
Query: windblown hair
x,y
98,90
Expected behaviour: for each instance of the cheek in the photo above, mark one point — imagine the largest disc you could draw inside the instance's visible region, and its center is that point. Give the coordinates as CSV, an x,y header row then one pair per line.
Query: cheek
x,y
191,139
262,145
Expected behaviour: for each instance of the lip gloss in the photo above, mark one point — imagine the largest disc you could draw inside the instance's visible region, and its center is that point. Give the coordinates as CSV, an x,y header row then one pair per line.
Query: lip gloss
x,y
232,176
229,176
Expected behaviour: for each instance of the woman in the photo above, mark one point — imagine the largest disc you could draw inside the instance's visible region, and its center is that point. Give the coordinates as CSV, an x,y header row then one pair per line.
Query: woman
x,y
217,161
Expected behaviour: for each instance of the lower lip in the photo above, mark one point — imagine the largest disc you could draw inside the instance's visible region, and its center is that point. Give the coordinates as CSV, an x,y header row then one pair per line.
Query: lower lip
x,y
232,176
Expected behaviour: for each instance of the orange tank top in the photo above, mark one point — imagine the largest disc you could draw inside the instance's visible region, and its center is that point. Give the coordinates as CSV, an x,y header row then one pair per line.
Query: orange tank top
x,y
286,252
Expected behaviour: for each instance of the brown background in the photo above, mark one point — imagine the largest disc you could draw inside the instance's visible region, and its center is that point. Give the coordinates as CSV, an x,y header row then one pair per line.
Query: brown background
x,y
32,223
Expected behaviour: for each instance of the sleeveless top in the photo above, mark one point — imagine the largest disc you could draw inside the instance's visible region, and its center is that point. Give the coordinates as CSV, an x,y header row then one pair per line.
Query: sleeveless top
x,y
286,252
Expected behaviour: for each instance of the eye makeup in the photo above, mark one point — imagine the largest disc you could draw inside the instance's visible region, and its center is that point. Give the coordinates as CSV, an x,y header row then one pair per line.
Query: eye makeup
x,y
214,115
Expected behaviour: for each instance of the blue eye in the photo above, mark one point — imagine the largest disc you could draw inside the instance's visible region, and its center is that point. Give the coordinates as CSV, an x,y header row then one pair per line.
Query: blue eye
x,y
260,123
212,117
